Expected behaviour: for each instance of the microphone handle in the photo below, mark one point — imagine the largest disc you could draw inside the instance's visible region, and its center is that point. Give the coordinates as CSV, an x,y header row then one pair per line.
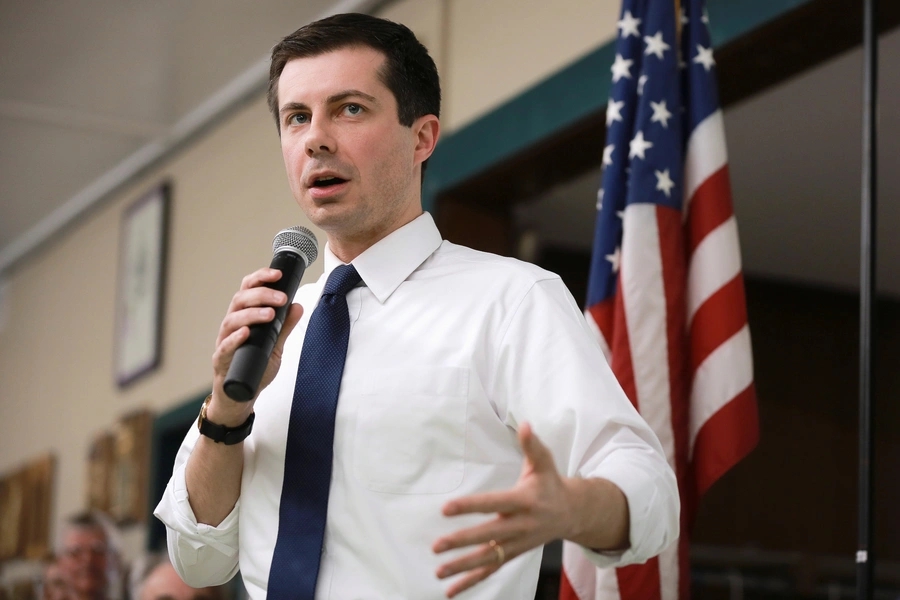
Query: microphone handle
x,y
251,359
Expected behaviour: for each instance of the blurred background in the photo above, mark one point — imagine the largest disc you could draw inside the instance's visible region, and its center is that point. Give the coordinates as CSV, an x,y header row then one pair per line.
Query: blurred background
x,y
110,111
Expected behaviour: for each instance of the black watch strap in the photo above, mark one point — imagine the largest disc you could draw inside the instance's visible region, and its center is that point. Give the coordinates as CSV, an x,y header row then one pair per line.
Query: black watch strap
x,y
221,434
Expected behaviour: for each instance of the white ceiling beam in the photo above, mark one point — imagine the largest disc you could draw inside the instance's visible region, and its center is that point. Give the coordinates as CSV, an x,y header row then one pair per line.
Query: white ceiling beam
x,y
69,118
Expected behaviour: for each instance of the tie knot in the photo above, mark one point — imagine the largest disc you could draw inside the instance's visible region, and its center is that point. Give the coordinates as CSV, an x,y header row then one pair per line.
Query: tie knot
x,y
342,280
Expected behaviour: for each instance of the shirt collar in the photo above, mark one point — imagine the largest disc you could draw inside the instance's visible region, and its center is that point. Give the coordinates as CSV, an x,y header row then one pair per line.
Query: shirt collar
x,y
388,263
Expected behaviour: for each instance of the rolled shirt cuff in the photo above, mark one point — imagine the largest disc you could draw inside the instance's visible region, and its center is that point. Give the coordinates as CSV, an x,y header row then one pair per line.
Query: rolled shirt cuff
x,y
175,511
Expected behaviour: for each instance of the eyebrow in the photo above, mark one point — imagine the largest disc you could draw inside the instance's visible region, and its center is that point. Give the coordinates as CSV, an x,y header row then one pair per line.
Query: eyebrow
x,y
292,106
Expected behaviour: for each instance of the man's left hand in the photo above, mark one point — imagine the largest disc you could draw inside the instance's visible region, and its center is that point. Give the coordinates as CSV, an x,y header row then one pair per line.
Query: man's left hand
x,y
537,510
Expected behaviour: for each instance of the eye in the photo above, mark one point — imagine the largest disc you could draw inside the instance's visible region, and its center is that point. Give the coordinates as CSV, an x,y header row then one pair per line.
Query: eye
x,y
353,109
298,119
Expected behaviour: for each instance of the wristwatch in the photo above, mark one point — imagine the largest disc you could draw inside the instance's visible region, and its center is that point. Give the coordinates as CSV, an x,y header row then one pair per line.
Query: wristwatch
x,y
221,434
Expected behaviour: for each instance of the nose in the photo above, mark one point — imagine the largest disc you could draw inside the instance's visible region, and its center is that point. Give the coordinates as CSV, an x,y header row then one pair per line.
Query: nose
x,y
320,138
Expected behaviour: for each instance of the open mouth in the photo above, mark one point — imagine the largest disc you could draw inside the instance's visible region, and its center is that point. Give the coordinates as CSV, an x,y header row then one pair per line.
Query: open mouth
x,y
326,182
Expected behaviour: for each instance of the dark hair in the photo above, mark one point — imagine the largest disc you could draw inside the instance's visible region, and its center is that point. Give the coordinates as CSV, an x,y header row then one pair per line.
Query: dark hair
x,y
86,520
408,71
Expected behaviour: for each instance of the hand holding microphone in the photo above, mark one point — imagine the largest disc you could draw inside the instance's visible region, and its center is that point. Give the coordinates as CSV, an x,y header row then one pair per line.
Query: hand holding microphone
x,y
261,316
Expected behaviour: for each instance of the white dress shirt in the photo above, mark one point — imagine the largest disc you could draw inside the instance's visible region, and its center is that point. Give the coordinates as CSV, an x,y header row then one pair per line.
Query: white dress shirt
x,y
450,350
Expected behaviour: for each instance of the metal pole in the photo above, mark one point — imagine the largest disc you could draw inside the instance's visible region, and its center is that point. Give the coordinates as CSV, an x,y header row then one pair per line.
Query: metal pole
x,y
865,559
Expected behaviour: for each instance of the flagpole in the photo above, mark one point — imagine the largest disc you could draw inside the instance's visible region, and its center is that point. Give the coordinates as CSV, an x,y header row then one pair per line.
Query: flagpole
x,y
865,559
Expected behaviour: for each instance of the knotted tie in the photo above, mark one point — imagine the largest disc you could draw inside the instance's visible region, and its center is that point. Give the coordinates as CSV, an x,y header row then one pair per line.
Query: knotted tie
x,y
310,443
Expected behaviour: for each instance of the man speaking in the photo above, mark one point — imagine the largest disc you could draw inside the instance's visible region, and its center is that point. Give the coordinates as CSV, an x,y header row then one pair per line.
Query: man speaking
x,y
430,415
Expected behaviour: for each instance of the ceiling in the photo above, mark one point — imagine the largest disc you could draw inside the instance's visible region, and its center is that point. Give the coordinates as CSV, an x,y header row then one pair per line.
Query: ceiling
x,y
84,85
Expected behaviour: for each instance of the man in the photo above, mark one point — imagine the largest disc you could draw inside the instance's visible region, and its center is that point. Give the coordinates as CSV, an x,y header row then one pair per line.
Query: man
x,y
53,584
86,559
163,583
452,361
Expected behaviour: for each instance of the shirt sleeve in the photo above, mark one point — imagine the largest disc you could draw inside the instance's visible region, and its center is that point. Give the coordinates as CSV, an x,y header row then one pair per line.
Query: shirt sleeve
x,y
202,555
552,373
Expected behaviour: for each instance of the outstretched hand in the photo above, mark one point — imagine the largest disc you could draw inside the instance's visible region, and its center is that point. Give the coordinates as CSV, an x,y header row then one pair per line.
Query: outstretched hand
x,y
537,510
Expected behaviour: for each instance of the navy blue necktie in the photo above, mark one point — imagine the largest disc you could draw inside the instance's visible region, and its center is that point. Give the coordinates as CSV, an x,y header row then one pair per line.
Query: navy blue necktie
x,y
310,443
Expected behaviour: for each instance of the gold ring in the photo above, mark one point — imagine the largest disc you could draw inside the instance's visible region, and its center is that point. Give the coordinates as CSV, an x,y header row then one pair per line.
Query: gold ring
x,y
501,555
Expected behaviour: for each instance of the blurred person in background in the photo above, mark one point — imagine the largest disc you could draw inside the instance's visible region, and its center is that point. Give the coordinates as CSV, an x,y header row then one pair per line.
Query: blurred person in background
x,y
154,578
89,559
53,583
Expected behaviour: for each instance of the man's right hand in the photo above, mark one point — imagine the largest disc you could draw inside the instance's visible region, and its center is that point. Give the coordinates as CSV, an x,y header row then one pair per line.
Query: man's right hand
x,y
252,304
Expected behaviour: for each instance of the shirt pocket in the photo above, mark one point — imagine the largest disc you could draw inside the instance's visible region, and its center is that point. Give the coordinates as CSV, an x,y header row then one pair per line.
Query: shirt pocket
x,y
411,430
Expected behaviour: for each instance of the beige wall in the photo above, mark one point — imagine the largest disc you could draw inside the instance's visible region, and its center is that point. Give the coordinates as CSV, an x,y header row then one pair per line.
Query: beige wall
x,y
499,48
229,198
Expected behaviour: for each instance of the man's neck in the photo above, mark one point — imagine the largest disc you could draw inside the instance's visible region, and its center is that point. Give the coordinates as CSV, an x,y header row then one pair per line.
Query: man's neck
x,y
347,248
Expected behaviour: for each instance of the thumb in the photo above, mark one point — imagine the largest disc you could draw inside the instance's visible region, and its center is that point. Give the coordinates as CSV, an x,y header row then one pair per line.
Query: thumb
x,y
536,452
290,321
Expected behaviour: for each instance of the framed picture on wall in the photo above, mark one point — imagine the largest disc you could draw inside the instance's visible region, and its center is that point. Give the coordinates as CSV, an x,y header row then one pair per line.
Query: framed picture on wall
x,y
35,525
101,464
12,502
131,472
25,499
141,278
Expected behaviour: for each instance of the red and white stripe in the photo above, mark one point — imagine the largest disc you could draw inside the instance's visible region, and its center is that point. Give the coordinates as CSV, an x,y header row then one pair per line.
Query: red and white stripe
x,y
723,417
678,341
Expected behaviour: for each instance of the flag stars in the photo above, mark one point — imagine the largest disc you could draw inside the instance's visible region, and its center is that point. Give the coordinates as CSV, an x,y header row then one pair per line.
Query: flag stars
x,y
615,258
628,25
641,81
705,17
621,68
600,199
607,155
638,146
705,57
656,45
684,18
664,182
614,111
661,113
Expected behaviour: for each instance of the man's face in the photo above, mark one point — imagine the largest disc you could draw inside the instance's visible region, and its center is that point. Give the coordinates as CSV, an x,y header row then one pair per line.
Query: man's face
x,y
163,583
351,165
83,561
55,586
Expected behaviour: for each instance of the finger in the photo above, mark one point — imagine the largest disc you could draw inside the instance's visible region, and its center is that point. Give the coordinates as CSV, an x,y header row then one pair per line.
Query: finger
x,y
258,296
535,451
471,579
483,556
492,502
501,528
260,277
226,348
244,318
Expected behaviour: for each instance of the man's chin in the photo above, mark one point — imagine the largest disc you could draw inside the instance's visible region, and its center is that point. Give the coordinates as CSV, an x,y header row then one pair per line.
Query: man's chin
x,y
333,218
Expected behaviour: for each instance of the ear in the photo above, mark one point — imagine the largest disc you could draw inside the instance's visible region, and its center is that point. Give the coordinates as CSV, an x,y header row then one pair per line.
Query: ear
x,y
427,129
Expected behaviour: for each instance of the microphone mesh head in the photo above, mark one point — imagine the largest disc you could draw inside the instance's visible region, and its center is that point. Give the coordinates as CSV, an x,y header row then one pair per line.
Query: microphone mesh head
x,y
298,240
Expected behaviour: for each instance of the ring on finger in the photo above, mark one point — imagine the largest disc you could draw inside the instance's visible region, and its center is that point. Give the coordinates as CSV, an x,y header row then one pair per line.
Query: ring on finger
x,y
498,549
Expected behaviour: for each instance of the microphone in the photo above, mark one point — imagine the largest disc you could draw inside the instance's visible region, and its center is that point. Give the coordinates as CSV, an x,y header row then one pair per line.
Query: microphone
x,y
294,250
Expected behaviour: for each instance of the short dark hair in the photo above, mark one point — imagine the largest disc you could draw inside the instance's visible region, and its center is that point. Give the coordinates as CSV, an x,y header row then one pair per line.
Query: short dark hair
x,y
86,520
408,72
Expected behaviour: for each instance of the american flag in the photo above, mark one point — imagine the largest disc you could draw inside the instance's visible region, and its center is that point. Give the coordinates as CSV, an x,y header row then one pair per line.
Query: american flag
x,y
666,292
